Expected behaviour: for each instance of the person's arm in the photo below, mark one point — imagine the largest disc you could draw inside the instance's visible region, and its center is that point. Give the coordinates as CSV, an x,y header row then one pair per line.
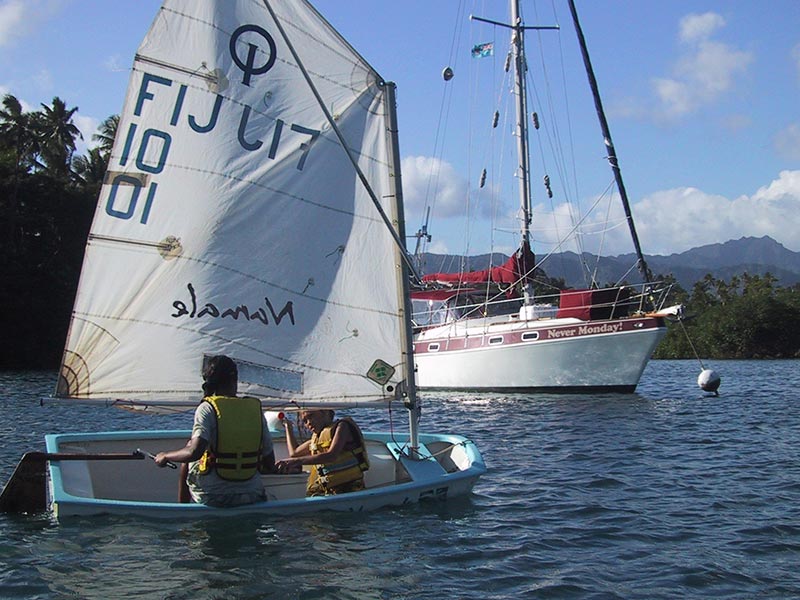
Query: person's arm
x,y
341,436
189,453
291,441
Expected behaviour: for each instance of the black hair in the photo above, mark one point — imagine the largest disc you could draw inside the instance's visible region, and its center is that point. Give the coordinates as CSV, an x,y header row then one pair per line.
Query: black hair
x,y
218,371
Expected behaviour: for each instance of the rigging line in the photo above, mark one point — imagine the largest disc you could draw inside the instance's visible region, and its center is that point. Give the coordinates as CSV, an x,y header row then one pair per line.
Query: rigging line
x,y
434,175
560,243
551,128
592,274
602,241
624,275
365,182
570,136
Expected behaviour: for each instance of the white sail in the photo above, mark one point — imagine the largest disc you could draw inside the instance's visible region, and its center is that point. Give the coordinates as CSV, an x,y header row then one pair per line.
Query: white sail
x,y
232,221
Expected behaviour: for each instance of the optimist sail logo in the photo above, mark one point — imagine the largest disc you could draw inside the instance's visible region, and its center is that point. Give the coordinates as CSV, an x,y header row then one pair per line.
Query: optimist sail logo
x,y
249,66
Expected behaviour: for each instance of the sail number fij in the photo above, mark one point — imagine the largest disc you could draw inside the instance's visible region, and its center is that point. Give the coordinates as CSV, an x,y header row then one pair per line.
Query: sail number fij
x,y
149,148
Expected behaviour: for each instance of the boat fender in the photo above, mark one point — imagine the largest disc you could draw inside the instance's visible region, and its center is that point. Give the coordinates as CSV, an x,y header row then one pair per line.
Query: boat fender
x,y
274,420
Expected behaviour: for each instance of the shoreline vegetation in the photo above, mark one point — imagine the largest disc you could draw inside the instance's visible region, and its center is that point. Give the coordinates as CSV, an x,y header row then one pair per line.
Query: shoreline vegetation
x,y
48,195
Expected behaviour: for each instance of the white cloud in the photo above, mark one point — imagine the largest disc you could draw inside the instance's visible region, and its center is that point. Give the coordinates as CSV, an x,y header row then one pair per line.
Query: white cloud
x,y
706,71
88,127
44,81
431,181
679,219
699,27
114,64
787,142
19,17
12,20
667,221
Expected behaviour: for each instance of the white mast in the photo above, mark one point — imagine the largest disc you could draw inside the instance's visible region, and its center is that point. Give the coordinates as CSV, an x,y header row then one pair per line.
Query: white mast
x,y
403,272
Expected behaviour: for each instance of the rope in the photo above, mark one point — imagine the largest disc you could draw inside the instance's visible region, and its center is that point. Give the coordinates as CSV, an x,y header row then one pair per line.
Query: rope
x,y
688,339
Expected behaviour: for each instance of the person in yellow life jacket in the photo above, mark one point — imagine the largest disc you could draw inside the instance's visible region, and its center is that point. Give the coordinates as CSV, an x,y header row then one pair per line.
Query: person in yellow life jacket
x,y
336,452
230,444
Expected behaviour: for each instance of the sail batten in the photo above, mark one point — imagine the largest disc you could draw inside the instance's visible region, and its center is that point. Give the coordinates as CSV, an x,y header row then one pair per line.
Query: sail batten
x,y
233,222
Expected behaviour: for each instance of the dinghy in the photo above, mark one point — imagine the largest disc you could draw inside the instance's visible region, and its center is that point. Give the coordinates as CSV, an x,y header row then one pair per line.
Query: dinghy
x,y
252,208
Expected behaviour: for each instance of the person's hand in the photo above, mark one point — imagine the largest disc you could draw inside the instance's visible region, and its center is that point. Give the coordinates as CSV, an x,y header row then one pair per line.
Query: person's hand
x,y
161,459
288,465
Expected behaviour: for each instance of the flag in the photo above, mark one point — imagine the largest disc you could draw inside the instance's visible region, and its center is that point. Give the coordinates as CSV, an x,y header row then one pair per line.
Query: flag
x,y
482,50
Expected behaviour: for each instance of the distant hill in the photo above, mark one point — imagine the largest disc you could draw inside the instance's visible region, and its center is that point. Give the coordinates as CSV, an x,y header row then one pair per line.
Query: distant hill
x,y
755,256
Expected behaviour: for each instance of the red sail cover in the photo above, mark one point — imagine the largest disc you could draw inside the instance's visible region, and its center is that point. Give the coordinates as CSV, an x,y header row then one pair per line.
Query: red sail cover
x,y
590,305
517,269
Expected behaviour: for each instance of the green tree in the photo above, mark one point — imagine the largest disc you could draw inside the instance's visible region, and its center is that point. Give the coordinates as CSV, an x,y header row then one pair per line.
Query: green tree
x,y
18,137
105,136
90,170
57,135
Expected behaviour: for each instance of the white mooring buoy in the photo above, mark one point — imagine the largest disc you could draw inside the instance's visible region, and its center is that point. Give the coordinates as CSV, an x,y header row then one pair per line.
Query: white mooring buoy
x,y
708,381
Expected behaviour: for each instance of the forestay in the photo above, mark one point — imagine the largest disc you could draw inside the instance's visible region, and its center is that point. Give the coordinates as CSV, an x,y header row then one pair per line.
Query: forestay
x,y
231,220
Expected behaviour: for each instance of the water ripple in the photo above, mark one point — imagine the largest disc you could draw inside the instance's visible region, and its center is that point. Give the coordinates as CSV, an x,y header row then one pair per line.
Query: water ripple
x,y
667,493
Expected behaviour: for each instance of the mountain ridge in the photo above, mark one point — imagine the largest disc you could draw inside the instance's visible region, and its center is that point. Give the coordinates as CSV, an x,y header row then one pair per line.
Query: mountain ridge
x,y
752,255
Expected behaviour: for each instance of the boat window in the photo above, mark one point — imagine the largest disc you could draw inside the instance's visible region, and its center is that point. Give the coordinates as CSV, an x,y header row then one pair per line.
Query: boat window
x,y
530,335
498,339
433,347
503,307
426,313
476,306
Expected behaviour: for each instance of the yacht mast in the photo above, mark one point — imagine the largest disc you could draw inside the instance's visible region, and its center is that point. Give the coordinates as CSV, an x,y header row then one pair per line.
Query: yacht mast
x,y
523,153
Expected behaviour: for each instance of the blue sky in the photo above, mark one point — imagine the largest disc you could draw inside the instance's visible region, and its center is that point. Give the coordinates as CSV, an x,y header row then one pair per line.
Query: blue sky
x,y
701,95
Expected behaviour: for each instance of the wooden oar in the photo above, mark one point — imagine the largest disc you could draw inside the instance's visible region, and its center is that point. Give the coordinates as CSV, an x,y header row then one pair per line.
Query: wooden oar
x,y
26,491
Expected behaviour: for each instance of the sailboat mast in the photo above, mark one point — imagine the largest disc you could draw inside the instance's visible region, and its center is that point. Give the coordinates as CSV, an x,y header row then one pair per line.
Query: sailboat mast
x,y
523,155
612,154
406,333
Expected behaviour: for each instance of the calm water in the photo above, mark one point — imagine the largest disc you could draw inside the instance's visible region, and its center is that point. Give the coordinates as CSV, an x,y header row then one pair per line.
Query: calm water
x,y
663,494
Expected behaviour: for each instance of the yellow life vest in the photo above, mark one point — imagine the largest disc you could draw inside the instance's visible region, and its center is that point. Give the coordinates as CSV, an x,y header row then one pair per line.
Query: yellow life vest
x,y
351,464
236,452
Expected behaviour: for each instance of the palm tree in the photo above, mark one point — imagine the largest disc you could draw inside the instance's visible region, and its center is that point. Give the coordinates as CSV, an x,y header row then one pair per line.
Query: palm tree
x,y
58,134
16,133
105,135
91,169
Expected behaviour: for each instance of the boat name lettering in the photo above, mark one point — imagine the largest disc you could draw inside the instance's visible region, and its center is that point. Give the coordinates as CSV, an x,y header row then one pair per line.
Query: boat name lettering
x,y
193,310
584,330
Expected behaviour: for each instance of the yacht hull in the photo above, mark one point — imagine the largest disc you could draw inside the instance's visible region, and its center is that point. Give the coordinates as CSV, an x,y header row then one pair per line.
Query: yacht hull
x,y
552,355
